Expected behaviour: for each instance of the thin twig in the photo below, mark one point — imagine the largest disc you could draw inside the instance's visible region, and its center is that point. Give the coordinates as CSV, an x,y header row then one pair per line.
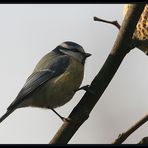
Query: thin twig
x,y
115,23
122,137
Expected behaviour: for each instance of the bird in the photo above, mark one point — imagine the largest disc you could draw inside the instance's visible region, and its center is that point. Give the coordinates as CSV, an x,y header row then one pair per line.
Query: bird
x,y
54,80
141,31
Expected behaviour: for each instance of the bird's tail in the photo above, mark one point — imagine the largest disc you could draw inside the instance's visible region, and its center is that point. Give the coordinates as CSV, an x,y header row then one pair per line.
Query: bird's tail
x,y
6,115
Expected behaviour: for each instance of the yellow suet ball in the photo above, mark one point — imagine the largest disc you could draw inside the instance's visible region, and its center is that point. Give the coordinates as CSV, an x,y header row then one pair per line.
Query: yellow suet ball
x,y
141,31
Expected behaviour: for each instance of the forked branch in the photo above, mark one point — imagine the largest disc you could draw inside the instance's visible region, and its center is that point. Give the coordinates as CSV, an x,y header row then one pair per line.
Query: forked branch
x,y
121,47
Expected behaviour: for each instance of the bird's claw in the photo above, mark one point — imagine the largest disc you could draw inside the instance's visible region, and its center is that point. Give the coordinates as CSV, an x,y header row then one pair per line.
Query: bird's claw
x,y
87,88
65,119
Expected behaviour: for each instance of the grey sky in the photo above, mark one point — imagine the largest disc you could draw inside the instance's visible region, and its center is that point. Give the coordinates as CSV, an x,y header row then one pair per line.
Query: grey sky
x,y
27,32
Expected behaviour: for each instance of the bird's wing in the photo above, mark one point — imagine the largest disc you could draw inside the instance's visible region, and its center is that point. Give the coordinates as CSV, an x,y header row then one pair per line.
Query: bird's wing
x,y
36,79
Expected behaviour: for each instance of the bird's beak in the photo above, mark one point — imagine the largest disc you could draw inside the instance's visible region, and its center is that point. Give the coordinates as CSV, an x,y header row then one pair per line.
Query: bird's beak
x,y
87,55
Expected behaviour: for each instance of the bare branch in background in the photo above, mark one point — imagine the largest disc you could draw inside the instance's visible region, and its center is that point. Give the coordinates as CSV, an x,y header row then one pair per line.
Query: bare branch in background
x,y
122,137
144,141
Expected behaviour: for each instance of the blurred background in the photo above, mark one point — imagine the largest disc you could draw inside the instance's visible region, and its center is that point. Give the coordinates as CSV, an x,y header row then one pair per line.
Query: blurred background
x,y
29,31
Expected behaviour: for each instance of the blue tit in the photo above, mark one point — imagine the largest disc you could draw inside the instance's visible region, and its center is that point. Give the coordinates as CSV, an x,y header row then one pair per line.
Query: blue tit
x,y
54,80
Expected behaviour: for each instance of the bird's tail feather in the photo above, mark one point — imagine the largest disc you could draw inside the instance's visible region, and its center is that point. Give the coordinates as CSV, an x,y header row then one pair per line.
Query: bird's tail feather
x,y
6,115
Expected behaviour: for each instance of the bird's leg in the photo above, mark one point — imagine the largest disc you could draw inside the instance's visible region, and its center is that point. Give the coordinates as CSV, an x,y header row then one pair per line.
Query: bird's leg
x,y
62,118
87,88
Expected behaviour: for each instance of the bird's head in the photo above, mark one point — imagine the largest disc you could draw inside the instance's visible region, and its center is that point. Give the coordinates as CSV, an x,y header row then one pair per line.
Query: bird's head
x,y
72,49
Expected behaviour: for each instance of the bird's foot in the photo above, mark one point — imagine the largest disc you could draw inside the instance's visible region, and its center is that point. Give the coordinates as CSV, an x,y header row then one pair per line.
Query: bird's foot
x,y
66,119
87,88
61,117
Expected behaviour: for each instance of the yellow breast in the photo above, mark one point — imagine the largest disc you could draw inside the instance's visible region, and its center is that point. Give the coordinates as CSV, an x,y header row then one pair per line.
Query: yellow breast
x,y
72,76
65,85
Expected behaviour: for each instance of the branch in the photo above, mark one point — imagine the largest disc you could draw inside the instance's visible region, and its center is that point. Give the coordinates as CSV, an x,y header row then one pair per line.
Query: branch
x,y
121,47
122,137
115,23
142,45
144,141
